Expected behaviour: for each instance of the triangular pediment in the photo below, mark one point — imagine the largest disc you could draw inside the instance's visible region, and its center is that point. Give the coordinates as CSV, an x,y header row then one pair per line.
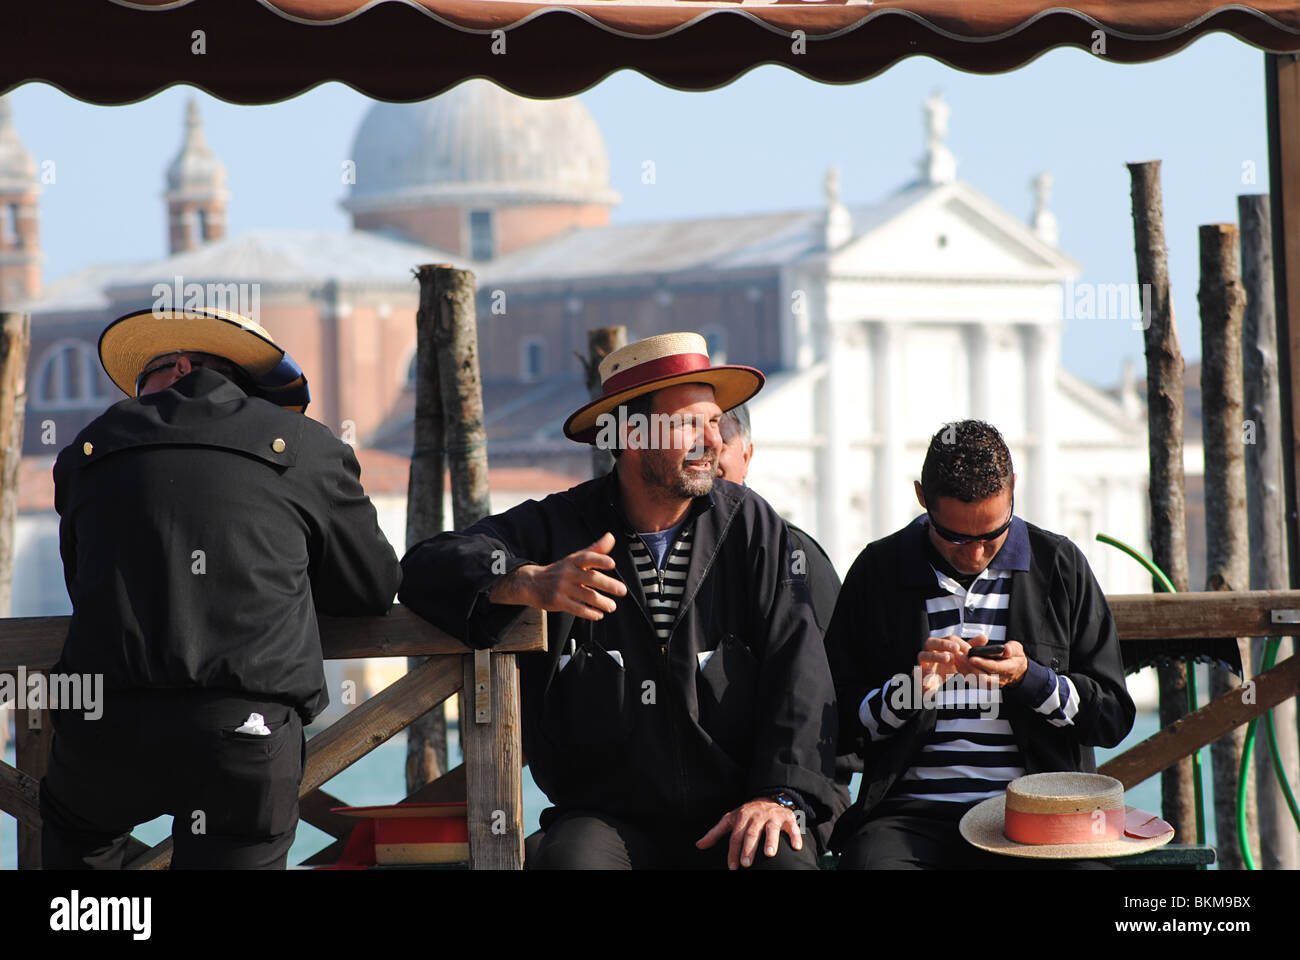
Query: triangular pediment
x,y
951,231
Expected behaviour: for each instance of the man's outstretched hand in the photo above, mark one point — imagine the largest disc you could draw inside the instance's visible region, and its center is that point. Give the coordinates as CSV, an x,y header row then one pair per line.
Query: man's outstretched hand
x,y
747,824
573,584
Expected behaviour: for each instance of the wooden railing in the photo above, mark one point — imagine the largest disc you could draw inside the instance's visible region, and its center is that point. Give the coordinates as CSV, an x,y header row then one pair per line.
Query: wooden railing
x,y
489,779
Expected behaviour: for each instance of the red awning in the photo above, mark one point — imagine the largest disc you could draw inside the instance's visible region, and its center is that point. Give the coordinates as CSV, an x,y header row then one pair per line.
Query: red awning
x,y
258,51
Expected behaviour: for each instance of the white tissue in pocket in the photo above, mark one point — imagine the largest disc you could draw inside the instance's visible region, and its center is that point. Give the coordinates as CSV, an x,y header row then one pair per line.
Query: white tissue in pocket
x,y
704,657
615,655
255,724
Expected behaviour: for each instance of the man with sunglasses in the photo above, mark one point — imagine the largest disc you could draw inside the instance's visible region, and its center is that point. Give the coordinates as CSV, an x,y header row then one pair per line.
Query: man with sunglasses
x,y
941,727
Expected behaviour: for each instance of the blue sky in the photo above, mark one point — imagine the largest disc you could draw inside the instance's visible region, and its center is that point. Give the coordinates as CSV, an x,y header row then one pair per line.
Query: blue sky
x,y
762,143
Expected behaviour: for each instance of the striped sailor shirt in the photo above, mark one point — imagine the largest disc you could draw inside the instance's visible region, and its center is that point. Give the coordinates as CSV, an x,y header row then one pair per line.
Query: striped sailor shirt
x,y
971,754
664,583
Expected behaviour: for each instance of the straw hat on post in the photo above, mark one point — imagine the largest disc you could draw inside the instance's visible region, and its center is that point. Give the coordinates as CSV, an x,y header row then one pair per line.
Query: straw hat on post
x,y
1063,816
656,363
128,344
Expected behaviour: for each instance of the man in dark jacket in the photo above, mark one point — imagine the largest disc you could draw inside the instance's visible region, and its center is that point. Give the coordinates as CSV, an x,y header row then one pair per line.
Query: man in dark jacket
x,y
202,529
823,584
941,727
684,714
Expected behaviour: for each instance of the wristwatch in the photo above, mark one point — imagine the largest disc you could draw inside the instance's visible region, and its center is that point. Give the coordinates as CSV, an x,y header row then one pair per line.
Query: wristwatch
x,y
786,801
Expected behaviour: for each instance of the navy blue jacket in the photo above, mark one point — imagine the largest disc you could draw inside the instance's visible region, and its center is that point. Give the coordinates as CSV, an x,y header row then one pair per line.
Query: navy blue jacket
x,y
1058,614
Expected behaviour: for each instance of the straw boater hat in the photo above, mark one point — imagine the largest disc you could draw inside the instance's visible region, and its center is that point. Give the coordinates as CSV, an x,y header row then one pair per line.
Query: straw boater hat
x,y
128,344
653,364
1062,816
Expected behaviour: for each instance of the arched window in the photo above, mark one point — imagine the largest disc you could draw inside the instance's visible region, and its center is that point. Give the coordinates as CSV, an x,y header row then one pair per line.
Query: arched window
x,y
482,235
9,235
68,377
715,339
532,359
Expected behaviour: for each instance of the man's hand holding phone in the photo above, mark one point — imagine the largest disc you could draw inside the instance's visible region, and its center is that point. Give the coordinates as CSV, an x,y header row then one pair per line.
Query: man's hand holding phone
x,y
1005,662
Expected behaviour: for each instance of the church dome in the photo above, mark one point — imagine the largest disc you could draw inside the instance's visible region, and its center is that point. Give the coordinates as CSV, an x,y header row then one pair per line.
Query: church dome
x,y
479,144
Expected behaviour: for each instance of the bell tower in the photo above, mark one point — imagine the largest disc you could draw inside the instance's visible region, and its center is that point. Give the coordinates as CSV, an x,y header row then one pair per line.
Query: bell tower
x,y
196,190
20,245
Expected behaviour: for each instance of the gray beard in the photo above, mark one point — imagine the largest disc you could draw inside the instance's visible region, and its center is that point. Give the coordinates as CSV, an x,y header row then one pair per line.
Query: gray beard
x,y
659,471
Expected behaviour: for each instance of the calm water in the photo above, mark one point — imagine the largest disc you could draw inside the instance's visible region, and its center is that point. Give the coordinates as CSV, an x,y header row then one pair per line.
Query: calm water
x,y
380,778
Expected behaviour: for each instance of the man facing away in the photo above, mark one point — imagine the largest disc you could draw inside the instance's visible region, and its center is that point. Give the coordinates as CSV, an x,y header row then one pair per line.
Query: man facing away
x,y
683,716
204,522
940,726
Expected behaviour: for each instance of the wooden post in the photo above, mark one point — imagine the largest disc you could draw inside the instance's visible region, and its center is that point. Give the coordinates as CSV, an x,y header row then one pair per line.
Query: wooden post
x,y
455,334
1165,448
1282,102
601,342
33,733
494,778
462,391
1282,99
426,738
1278,840
15,342
1222,301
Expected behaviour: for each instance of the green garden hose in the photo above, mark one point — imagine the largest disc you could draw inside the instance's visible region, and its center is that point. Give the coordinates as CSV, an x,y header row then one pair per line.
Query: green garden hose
x,y
1192,698
1270,656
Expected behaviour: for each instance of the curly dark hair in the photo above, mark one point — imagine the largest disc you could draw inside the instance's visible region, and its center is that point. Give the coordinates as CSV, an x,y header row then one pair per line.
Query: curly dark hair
x,y
967,460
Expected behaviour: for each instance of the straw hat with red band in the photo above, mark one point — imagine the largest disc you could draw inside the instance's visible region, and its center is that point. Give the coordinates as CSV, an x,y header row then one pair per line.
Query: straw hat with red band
x,y
1063,816
654,364
128,344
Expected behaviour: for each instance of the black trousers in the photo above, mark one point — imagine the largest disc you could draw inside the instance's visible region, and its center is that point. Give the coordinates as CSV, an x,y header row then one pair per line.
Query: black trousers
x,y
922,835
233,796
586,840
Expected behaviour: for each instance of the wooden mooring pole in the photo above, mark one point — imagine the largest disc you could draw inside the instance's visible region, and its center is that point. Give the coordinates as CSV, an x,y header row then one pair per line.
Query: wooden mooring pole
x,y
426,738
1222,300
15,342
1165,448
456,341
489,723
601,342
1278,839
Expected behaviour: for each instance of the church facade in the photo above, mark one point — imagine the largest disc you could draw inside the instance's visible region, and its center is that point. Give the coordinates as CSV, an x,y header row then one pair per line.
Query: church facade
x,y
874,324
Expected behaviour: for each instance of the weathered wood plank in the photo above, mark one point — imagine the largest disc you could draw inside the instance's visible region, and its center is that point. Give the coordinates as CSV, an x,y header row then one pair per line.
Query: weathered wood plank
x,y
351,737
35,642
1206,725
20,795
315,808
32,736
450,786
1242,613
493,754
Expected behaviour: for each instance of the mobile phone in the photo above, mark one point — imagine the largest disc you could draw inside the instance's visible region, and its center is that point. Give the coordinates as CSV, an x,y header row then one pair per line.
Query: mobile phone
x,y
990,651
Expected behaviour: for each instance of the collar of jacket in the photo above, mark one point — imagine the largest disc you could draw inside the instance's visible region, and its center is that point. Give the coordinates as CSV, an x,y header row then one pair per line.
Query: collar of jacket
x,y
917,571
710,514
202,409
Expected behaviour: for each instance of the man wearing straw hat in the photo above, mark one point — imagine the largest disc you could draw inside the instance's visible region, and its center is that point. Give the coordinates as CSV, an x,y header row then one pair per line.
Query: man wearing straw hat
x,y
204,522
683,716
943,725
